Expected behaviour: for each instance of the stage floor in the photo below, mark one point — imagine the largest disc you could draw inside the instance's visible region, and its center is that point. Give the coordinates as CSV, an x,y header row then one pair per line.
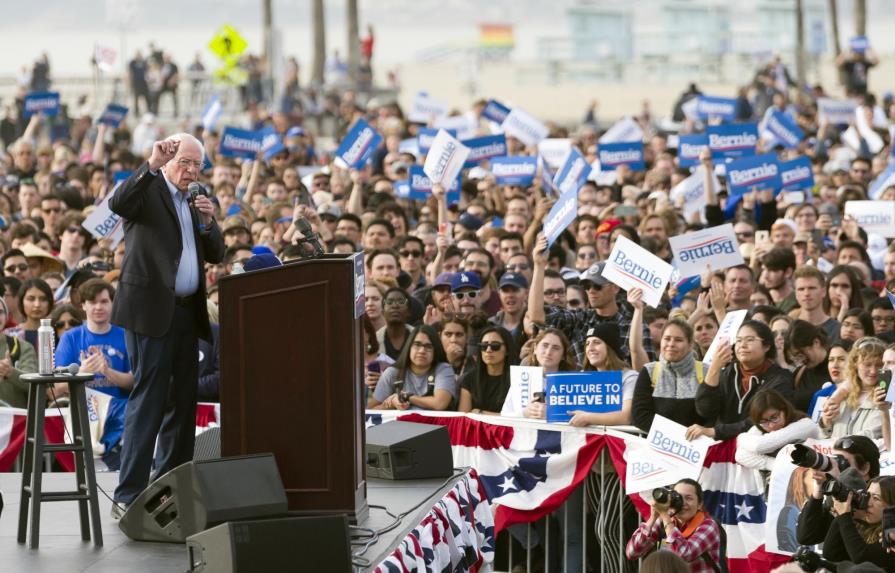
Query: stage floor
x,y
62,551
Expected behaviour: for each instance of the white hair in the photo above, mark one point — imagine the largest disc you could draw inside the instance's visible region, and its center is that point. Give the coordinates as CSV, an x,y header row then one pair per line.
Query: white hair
x,y
190,138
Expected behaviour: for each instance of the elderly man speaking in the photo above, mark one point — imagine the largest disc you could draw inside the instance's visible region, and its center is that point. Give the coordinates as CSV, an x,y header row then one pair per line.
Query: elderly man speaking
x,y
161,305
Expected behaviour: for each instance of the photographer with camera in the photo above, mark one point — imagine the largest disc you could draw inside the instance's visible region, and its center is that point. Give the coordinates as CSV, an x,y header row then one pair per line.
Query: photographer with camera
x,y
679,523
847,532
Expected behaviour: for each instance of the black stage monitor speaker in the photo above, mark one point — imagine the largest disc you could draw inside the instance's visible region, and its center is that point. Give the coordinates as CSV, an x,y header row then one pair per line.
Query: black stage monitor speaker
x,y
319,544
405,450
198,495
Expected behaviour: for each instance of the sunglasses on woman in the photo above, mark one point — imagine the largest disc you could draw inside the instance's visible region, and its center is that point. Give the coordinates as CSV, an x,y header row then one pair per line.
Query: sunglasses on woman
x,y
490,346
71,323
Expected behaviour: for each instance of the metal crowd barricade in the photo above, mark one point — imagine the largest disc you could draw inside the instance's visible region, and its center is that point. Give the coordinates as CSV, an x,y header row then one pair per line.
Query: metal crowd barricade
x,y
604,506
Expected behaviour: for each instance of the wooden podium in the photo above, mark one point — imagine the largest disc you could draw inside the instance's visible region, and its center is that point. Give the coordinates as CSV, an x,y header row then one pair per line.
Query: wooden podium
x,y
292,378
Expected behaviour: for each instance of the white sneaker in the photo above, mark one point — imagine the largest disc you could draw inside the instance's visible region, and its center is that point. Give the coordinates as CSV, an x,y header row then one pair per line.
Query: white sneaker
x,y
119,509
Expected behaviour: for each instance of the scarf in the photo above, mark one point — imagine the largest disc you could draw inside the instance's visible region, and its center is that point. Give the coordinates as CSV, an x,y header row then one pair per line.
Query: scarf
x,y
676,379
748,374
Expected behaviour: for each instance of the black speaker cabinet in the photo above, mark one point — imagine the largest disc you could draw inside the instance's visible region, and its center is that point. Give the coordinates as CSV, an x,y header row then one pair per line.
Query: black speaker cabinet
x,y
406,450
198,495
319,544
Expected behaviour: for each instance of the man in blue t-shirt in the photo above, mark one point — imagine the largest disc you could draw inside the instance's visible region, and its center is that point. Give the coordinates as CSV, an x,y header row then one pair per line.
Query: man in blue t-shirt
x,y
98,347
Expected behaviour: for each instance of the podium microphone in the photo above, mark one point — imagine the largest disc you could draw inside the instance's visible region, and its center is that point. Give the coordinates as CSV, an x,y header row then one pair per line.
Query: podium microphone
x,y
195,189
70,370
304,227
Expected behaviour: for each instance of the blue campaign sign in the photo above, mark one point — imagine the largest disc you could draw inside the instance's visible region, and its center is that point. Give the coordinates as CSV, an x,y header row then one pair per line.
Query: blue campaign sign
x,y
796,174
119,176
722,108
514,170
495,111
425,135
589,391
629,153
419,186
689,147
212,112
113,115
784,129
243,143
757,172
358,145
572,174
482,148
46,103
683,288
858,44
732,140
561,216
271,142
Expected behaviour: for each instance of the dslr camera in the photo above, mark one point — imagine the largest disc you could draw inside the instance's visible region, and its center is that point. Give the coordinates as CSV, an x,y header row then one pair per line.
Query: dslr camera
x,y
806,457
835,489
810,561
667,497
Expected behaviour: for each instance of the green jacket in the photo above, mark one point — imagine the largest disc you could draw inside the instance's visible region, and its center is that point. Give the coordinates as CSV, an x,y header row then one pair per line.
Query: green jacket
x,y
24,361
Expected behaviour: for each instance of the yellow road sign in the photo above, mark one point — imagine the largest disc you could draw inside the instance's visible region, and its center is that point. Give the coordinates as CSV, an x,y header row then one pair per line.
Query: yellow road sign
x,y
227,44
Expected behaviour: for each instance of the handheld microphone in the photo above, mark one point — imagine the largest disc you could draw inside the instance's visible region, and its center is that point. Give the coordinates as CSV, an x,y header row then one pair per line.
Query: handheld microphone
x,y
195,189
70,370
304,227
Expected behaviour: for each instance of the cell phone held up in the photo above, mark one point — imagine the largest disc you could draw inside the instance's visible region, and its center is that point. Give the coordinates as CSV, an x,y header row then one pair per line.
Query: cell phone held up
x,y
889,527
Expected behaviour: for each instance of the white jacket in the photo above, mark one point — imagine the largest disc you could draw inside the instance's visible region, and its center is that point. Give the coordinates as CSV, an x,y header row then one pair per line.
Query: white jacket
x,y
757,450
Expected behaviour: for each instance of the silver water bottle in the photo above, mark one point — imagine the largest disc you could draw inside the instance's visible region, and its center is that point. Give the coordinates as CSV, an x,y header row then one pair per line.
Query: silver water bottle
x,y
45,348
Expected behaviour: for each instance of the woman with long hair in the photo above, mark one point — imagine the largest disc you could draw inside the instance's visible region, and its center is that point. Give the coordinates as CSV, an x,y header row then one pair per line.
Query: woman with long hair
x,y
797,493
843,291
668,385
780,326
861,530
35,300
602,348
837,360
421,377
775,424
736,376
65,317
553,352
484,386
862,411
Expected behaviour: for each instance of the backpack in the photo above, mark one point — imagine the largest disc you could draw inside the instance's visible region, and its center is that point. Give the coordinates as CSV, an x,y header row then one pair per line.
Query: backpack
x,y
722,552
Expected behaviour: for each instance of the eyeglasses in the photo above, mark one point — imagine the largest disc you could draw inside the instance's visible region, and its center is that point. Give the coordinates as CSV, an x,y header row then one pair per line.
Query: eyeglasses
x,y
411,254
883,319
18,267
747,340
71,323
470,294
587,255
395,301
555,292
775,419
186,164
490,346
417,345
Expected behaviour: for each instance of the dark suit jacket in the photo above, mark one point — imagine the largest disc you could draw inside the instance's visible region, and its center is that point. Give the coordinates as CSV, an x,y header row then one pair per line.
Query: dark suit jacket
x,y
145,300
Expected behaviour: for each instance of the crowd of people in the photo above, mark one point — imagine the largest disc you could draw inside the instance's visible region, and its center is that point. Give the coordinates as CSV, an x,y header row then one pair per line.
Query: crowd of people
x,y
460,289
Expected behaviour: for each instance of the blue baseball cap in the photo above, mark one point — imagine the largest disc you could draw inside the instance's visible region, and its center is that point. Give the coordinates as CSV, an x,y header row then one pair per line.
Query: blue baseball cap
x,y
512,280
444,279
465,279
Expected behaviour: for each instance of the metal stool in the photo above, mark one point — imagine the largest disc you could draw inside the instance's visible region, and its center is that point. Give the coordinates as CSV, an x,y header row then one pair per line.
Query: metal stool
x,y
32,470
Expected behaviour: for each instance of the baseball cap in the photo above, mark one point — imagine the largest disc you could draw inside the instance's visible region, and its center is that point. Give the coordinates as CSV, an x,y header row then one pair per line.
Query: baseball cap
x,y
262,261
470,222
465,279
594,274
513,280
786,222
444,279
234,223
329,209
608,333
